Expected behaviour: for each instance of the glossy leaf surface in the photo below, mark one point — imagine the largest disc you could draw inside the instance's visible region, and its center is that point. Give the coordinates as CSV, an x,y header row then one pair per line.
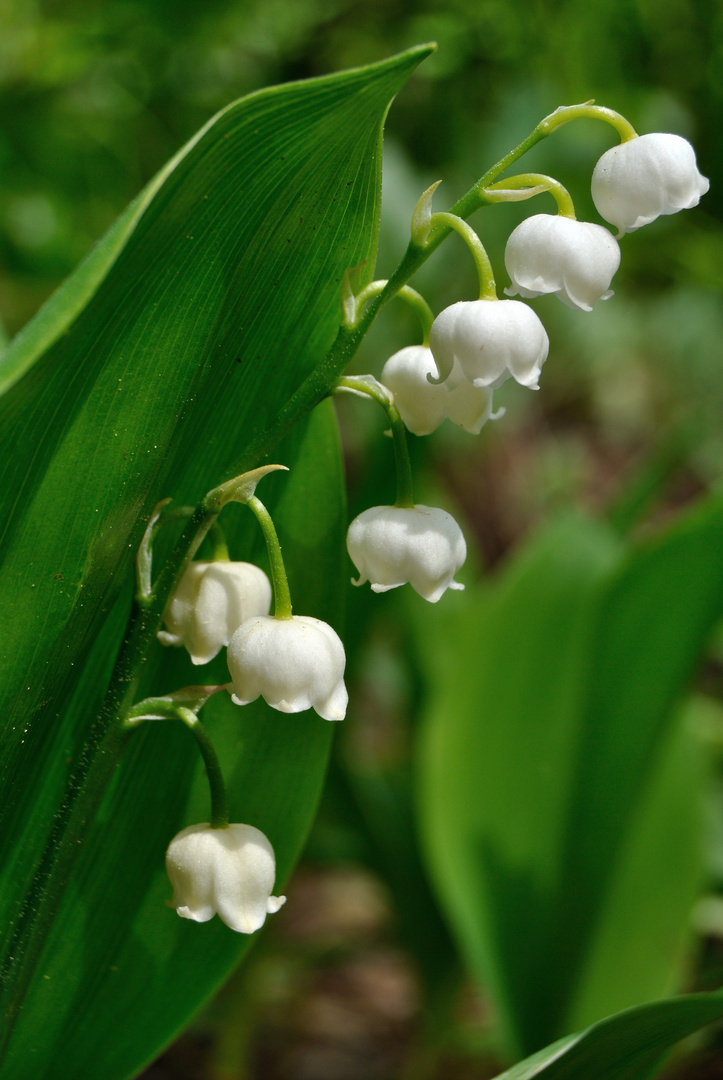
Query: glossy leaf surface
x,y
148,376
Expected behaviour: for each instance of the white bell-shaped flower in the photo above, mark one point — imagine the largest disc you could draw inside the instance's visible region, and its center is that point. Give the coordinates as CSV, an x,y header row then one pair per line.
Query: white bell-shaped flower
x,y
420,402
424,405
226,872
491,340
209,604
575,260
644,177
294,664
393,545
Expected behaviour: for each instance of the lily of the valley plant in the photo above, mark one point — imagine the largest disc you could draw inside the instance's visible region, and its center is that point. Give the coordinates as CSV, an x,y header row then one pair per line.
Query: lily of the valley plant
x,y
296,662
277,658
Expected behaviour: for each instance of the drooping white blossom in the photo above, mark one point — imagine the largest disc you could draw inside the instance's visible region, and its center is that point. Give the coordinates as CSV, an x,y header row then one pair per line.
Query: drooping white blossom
x,y
642,178
420,402
424,405
393,545
575,260
209,604
226,872
294,664
491,340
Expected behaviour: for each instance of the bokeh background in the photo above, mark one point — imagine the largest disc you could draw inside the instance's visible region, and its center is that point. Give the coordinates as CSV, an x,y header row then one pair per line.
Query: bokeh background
x,y
357,977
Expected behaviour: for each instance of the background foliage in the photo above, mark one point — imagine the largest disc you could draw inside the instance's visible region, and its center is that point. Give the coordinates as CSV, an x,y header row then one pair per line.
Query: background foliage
x,y
95,97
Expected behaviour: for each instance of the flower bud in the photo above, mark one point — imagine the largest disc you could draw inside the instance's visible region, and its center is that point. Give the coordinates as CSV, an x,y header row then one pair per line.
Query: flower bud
x,y
423,405
226,872
491,339
294,664
642,178
392,545
576,260
210,602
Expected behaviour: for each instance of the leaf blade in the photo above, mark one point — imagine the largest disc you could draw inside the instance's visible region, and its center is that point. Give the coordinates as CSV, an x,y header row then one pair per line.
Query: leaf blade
x,y
628,1046
562,911
140,396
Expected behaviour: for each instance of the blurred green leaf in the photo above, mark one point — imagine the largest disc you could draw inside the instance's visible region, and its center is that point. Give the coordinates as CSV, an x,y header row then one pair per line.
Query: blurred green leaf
x,y
147,376
497,750
555,789
628,1046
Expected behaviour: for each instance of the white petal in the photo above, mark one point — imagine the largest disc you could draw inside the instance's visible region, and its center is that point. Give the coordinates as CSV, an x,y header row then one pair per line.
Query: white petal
x,y
294,664
244,877
210,602
493,339
229,872
467,406
642,178
199,914
421,403
442,340
393,545
575,260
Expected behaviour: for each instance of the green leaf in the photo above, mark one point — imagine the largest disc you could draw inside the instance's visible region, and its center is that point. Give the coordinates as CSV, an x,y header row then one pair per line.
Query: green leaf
x,y
117,956
559,795
149,375
497,749
628,1046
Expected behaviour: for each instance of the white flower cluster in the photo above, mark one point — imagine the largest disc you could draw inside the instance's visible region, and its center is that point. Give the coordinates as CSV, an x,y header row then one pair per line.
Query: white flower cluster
x,y
477,345
424,404
297,662
294,664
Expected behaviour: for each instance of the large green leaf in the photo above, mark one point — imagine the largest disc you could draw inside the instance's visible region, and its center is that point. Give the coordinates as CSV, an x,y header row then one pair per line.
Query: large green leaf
x,y
147,376
559,798
117,956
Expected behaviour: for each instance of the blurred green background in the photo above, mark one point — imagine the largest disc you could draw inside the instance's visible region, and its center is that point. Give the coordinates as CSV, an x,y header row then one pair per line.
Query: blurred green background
x,y
357,977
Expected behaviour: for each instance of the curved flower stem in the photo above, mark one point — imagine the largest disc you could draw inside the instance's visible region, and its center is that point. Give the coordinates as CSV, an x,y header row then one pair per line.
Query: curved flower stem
x,y
219,802
589,111
413,298
487,287
183,705
282,597
220,547
368,386
525,185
